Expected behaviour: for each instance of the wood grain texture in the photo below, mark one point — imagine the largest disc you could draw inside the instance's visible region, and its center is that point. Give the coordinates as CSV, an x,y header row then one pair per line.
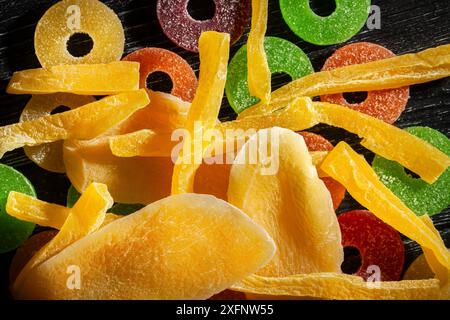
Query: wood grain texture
x,y
407,26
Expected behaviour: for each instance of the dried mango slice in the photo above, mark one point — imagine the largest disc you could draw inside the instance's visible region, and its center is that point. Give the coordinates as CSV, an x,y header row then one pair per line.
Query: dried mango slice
x,y
183,247
143,143
291,203
340,287
259,75
49,156
396,72
85,217
83,79
214,51
351,170
83,123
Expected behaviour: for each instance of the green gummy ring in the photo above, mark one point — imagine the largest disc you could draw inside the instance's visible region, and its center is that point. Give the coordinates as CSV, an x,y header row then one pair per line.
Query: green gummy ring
x,y
282,56
419,196
346,21
13,232
119,208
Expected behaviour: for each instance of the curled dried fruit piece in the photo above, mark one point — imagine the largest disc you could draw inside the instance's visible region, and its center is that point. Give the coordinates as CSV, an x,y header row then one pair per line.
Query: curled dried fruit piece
x,y
183,247
396,72
283,194
83,79
83,123
352,171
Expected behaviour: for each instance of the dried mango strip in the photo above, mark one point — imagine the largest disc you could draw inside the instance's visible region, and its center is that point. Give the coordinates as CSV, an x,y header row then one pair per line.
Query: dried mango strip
x,y
143,143
83,79
341,287
352,171
214,51
259,75
396,72
83,123
186,246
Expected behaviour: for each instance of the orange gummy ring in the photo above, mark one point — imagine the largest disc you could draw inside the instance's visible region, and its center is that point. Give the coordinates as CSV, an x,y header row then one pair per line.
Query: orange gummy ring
x,y
49,156
162,60
69,17
386,105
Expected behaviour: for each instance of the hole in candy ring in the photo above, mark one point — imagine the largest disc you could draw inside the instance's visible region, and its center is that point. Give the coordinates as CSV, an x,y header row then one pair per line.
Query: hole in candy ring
x,y
160,81
352,260
355,97
80,44
201,10
60,109
279,79
323,8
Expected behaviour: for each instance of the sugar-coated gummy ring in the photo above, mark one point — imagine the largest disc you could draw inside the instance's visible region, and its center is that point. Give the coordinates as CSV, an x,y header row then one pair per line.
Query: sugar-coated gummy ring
x,y
230,17
49,156
346,21
419,196
14,232
282,56
386,105
69,17
162,60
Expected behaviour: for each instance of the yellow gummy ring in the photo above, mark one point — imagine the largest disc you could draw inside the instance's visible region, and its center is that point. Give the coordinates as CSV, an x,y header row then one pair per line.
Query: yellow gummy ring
x,y
69,17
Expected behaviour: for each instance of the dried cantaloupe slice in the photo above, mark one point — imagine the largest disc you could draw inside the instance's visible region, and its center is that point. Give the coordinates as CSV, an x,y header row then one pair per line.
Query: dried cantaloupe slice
x,y
214,50
83,123
84,79
183,247
349,168
291,203
86,216
49,156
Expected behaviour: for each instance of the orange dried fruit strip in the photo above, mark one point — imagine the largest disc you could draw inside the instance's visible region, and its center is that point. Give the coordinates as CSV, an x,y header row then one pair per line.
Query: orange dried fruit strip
x,y
396,72
49,156
186,246
83,79
214,52
259,75
143,143
352,171
284,194
83,123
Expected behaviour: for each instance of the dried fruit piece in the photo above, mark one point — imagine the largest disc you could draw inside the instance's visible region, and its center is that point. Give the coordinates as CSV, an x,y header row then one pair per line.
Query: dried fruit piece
x,y
183,247
352,171
49,156
83,123
161,60
396,72
143,143
386,105
83,79
13,232
70,17
214,51
378,244
259,75
289,201
419,270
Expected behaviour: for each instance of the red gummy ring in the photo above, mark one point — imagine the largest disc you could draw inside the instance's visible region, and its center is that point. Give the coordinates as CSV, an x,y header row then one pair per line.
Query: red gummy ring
x,y
230,17
162,60
386,105
315,142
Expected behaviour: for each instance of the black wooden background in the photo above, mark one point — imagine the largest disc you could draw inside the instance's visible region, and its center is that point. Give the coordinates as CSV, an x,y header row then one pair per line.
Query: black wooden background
x,y
406,26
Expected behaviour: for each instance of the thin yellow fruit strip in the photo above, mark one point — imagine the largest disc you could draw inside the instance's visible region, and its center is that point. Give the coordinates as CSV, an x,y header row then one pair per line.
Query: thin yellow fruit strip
x,y
214,52
86,216
351,169
396,72
259,76
341,287
83,79
83,123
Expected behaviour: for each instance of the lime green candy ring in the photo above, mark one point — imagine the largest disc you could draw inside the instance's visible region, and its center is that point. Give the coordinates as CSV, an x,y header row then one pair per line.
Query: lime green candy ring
x,y
346,21
419,196
282,56
13,232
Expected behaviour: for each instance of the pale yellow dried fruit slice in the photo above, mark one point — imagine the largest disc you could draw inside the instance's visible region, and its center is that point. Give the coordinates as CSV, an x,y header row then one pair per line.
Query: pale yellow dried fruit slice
x,y
290,202
183,247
